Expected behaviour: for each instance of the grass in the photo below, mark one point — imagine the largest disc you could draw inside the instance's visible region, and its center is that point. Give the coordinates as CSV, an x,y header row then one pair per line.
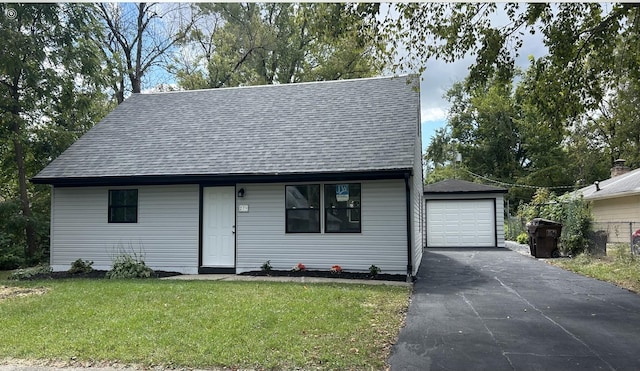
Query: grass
x,y
204,324
5,275
619,267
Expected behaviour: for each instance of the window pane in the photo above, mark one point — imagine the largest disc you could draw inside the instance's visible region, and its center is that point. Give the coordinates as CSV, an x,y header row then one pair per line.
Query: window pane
x,y
130,197
342,220
130,214
342,207
342,195
305,196
301,221
123,206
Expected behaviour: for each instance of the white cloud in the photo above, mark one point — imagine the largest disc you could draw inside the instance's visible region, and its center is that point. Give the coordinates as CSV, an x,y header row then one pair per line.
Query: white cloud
x,y
430,114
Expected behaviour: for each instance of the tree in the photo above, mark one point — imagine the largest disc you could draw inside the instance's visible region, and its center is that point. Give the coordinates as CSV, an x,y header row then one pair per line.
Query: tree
x,y
580,97
267,43
139,38
47,67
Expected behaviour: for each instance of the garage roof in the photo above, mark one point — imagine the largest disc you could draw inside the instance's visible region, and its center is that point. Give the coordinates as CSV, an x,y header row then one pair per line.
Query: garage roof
x,y
457,186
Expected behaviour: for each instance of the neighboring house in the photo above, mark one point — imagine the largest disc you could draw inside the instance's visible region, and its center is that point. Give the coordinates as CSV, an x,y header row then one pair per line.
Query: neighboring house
x,y
615,203
459,213
224,180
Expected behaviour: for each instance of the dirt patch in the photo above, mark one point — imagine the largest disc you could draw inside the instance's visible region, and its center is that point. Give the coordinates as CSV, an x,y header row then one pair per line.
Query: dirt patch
x,y
7,292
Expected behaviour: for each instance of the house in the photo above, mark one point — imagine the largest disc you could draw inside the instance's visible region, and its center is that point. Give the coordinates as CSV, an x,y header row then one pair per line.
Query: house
x,y
224,180
459,213
615,202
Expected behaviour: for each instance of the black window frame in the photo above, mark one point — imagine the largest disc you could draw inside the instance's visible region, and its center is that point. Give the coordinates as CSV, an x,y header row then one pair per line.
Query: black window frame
x,y
347,208
115,205
312,210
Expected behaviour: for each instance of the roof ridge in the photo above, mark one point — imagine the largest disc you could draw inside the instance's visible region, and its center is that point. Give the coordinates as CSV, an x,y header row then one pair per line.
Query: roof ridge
x,y
380,77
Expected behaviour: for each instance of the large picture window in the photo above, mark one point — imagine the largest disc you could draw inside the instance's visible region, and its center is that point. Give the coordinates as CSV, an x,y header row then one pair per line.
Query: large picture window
x,y
342,207
123,206
302,208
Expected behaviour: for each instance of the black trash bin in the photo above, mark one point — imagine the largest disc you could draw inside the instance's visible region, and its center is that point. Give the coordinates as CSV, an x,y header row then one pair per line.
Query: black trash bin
x,y
598,245
543,238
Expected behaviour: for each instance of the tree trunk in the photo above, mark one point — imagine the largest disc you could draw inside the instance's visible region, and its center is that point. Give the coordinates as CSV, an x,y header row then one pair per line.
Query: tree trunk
x,y
30,231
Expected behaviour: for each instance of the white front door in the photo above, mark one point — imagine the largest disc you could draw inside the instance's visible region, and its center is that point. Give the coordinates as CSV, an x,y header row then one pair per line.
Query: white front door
x,y
218,227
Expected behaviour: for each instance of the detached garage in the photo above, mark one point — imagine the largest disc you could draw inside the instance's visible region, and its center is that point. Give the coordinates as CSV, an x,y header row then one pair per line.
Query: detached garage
x,y
464,214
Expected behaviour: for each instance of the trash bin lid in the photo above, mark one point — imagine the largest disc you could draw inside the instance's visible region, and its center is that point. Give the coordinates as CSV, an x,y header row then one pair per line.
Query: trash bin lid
x,y
541,221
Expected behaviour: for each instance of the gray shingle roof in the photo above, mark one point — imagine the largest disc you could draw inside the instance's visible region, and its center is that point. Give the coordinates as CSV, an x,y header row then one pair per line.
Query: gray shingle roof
x,y
622,185
337,126
461,186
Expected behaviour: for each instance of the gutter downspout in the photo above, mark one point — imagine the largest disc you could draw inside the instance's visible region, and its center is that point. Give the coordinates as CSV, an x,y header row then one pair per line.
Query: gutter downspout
x,y
408,207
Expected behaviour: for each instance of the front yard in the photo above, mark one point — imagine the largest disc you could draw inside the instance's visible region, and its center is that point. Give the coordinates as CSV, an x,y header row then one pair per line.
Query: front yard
x,y
202,324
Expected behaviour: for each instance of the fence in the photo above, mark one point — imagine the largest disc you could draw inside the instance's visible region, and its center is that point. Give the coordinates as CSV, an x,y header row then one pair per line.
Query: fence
x,y
618,231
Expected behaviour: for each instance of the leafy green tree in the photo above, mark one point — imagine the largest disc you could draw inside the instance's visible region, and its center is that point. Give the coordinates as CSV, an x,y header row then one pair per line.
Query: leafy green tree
x,y
49,79
267,43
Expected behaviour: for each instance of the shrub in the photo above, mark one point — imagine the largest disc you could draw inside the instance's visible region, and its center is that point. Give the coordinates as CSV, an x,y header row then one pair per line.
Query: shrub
x,y
523,238
266,267
81,266
27,273
10,261
127,266
374,271
573,212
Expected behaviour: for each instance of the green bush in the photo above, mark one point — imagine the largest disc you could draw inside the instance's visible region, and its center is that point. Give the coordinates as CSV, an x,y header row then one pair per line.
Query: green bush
x,y
27,273
81,266
572,212
127,266
266,267
374,271
523,238
10,260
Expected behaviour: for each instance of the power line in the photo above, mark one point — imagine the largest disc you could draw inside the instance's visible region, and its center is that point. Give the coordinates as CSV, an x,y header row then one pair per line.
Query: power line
x,y
510,185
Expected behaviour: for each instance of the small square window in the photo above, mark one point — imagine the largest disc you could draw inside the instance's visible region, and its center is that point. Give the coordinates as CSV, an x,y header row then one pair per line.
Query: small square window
x,y
123,206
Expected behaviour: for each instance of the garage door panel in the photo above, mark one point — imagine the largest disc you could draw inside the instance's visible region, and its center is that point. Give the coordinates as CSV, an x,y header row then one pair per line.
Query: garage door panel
x,y
461,223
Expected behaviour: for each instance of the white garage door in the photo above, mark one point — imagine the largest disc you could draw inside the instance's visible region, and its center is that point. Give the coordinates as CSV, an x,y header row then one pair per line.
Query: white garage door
x,y
461,223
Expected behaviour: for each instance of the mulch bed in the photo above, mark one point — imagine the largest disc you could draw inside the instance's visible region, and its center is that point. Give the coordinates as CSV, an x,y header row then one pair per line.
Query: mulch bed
x,y
95,274
101,274
327,274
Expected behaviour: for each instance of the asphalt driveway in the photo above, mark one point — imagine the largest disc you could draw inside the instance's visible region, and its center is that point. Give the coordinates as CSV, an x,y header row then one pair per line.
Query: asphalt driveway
x,y
497,309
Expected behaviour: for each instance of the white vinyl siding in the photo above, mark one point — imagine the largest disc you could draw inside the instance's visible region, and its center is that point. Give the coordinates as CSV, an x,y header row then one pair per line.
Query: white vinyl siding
x,y
260,232
165,235
465,222
417,202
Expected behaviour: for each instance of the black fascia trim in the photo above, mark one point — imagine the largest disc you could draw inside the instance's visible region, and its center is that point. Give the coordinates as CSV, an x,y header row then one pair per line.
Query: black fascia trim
x,y
223,179
464,192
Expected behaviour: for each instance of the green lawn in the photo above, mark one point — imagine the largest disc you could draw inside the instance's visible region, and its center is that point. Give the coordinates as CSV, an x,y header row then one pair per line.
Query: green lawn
x,y
204,323
619,266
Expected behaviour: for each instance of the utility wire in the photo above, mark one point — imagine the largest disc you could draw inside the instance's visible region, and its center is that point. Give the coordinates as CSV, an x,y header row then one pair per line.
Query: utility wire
x,y
516,185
